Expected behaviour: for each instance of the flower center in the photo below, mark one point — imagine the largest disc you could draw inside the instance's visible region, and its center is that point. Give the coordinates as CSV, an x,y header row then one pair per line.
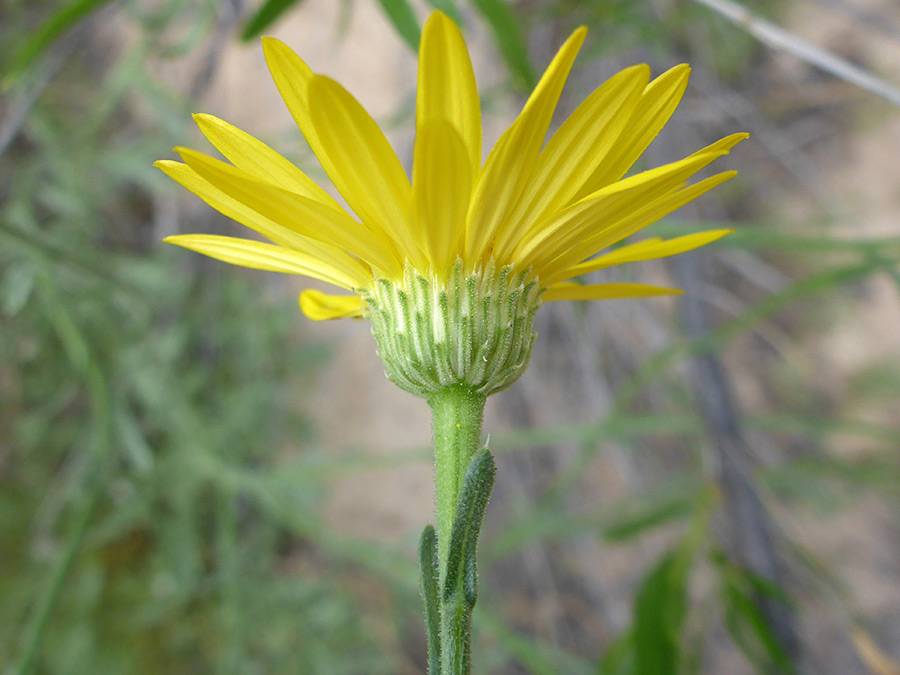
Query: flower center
x,y
474,330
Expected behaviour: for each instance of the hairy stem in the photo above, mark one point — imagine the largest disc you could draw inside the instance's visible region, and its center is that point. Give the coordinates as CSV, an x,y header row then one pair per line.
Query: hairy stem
x,y
457,414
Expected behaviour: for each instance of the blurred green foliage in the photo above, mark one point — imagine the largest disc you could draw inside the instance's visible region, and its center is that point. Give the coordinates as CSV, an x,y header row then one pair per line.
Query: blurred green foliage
x,y
159,492
149,525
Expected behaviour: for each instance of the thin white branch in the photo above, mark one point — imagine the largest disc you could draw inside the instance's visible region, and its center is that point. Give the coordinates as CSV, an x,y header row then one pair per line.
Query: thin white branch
x,y
778,38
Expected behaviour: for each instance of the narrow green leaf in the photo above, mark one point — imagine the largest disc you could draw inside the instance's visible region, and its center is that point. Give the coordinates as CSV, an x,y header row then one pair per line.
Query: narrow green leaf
x,y
877,381
509,39
428,579
473,499
265,16
615,518
823,479
746,623
825,281
449,8
618,659
766,588
63,19
819,426
134,444
16,287
649,514
404,19
765,236
533,655
771,238
659,613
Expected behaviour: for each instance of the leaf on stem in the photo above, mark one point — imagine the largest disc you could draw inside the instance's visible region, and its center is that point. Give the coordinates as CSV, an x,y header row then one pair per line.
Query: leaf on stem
x,y
473,499
428,580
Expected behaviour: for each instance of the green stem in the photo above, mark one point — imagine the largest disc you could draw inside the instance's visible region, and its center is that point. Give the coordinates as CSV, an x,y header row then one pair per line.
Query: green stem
x,y
457,413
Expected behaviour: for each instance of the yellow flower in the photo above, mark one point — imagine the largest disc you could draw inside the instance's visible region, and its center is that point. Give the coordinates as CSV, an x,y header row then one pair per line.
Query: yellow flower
x,y
539,212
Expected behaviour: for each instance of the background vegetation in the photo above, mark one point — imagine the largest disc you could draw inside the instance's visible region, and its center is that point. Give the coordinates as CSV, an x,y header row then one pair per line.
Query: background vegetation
x,y
707,487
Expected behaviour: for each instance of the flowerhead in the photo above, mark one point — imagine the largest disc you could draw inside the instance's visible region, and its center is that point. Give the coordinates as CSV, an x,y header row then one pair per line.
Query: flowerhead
x,y
451,264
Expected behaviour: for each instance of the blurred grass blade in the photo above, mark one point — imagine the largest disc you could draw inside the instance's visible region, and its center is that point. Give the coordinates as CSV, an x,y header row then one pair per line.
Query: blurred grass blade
x,y
615,521
811,285
404,19
135,447
762,236
649,514
36,629
739,591
751,632
64,18
618,659
535,656
449,8
265,16
509,40
16,287
659,612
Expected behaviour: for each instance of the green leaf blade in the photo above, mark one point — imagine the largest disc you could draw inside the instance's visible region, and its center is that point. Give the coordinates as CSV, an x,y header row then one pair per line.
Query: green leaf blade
x,y
473,499
428,580
659,613
509,40
64,18
265,16
401,15
449,8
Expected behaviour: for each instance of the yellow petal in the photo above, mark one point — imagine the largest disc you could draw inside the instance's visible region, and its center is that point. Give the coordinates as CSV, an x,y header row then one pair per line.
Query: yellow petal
x,y
446,86
259,256
368,175
362,164
305,216
650,249
686,167
571,291
442,185
659,100
627,224
512,161
259,160
292,77
382,210
355,272
548,239
574,151
319,306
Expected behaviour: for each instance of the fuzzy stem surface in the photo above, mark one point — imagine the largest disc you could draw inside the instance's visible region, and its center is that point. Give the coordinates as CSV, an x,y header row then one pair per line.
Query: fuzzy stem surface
x,y
458,413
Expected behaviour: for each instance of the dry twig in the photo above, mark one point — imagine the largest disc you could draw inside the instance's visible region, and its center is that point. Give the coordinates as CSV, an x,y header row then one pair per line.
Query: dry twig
x,y
778,38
